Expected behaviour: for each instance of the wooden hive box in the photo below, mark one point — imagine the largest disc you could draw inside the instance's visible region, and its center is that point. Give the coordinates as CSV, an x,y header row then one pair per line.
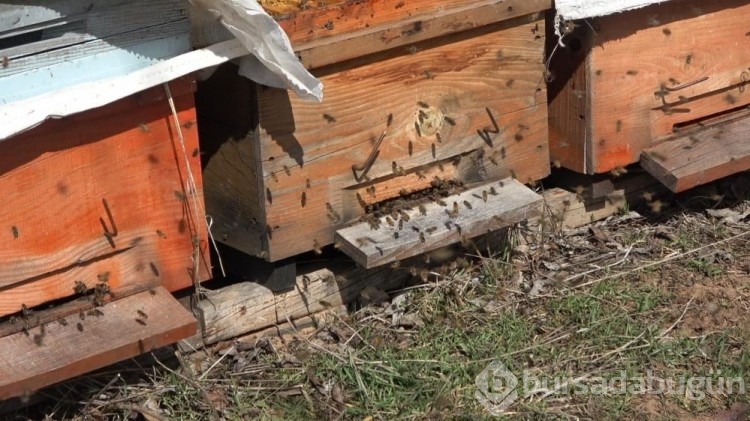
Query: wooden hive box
x,y
413,84
661,85
99,220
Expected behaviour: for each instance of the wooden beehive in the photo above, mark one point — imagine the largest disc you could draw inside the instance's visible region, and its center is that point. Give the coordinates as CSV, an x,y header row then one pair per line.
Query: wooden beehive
x,y
659,85
97,199
415,84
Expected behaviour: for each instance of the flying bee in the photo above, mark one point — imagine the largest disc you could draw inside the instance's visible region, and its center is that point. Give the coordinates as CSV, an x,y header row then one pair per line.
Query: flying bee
x,y
467,204
142,314
80,288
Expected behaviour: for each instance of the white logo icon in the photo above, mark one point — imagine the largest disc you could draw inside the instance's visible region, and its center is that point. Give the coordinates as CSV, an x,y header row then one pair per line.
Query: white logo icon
x,y
496,388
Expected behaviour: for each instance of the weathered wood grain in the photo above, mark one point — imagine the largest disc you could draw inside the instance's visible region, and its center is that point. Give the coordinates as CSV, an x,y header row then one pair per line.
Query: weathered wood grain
x,y
55,352
698,158
627,105
458,77
248,307
467,214
56,178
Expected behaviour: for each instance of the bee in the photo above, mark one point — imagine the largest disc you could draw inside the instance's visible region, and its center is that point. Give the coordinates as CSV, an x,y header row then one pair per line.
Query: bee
x,y
152,291
316,247
25,311
513,174
434,151
161,234
329,118
390,221
631,72
422,115
410,146
103,277
467,204
400,224
396,263
287,170
389,120
361,200
269,196
415,228
557,163
422,210
430,230
62,321
81,316
441,202
102,289
493,191
492,159
484,196
449,120
458,229
140,322
80,288
142,314
394,167
180,196
95,312
518,137
14,230
6,61
421,237
438,137
405,216
509,83
416,127
656,206
618,126
307,183
423,104
79,326
243,310
420,175
441,167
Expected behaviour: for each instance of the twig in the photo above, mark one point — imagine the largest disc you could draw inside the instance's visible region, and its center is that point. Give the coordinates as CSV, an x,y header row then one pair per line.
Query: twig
x,y
679,319
658,262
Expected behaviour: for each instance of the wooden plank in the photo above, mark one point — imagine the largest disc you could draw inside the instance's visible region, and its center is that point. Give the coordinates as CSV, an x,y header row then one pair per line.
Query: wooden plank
x,y
627,111
468,214
459,76
56,352
701,157
248,307
373,38
569,209
56,179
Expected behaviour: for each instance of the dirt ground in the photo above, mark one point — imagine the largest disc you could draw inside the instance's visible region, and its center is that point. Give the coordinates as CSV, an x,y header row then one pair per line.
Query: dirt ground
x,y
659,290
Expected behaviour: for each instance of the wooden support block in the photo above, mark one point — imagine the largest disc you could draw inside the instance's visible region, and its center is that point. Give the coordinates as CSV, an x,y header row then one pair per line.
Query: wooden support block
x,y
571,210
249,307
467,214
700,157
55,352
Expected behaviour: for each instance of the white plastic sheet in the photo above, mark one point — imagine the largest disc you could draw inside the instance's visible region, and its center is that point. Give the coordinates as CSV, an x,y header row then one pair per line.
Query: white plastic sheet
x,y
272,61
582,9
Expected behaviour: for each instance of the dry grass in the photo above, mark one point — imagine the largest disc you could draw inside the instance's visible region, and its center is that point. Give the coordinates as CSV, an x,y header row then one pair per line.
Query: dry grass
x,y
667,292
